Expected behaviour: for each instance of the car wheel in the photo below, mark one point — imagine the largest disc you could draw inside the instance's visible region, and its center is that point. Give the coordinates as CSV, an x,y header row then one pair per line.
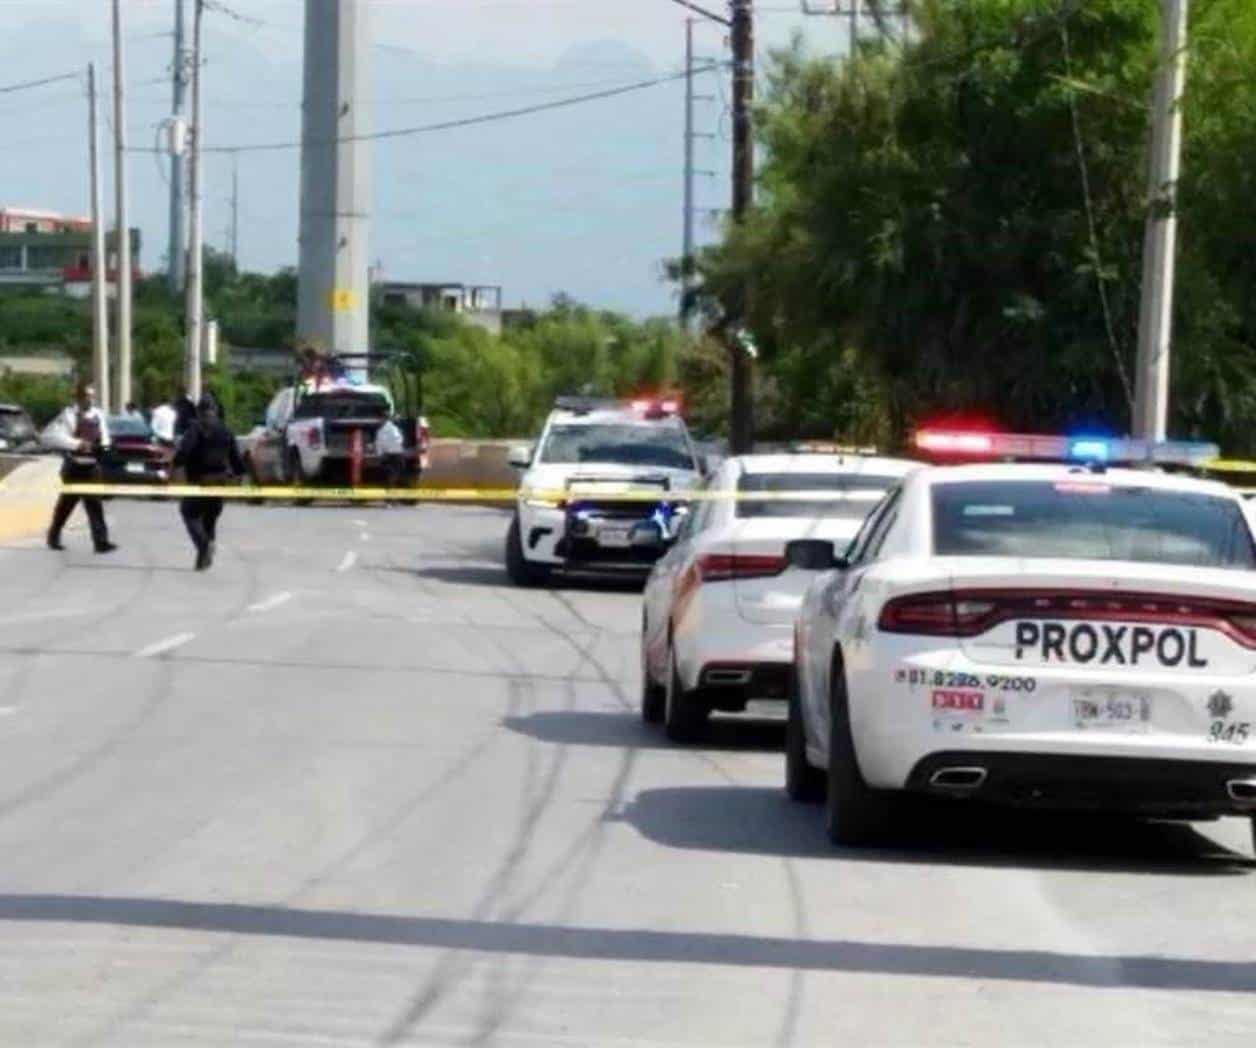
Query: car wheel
x,y
653,696
297,477
803,782
684,713
856,813
521,571
250,471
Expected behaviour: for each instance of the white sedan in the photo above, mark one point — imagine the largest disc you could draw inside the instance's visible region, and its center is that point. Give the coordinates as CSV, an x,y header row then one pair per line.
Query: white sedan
x,y
720,606
1033,635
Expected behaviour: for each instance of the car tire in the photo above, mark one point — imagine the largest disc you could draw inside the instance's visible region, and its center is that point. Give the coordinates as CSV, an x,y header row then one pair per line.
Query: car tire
x,y
684,713
250,471
803,782
296,476
653,696
856,814
521,571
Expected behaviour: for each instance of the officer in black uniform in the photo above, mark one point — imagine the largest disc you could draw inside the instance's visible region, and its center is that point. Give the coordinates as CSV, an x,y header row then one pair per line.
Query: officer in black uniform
x,y
208,454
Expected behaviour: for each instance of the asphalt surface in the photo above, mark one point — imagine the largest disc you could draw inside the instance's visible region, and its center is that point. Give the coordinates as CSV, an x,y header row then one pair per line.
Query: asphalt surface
x,y
350,788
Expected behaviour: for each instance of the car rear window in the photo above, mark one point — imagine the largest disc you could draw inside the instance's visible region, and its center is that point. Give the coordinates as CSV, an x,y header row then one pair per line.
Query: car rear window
x,y
1088,519
838,496
132,428
333,406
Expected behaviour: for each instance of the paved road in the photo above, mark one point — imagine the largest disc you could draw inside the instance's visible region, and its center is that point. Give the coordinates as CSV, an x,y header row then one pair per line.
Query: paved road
x,y
350,788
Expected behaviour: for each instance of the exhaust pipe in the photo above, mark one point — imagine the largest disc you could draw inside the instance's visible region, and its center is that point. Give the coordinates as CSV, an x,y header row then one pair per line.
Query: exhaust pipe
x,y
727,678
1242,791
958,780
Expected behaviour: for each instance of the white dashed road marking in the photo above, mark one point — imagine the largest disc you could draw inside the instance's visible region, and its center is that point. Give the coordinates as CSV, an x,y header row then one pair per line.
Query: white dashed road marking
x,y
36,616
351,559
270,603
163,646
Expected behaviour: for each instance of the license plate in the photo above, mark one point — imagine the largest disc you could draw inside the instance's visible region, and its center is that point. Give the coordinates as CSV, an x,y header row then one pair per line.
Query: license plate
x,y
1105,708
614,538
135,467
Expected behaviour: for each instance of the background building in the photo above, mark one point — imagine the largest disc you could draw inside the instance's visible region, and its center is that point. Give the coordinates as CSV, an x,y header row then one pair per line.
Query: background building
x,y
479,304
42,249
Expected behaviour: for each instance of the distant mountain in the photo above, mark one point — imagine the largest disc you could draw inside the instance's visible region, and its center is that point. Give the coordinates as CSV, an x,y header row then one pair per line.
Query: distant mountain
x,y
584,199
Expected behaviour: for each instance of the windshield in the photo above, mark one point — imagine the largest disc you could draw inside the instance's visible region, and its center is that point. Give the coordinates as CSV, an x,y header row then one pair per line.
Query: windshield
x,y
1089,520
841,496
133,428
625,444
342,405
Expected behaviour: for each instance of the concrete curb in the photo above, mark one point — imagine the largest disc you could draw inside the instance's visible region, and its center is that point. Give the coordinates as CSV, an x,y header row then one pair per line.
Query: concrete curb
x,y
26,498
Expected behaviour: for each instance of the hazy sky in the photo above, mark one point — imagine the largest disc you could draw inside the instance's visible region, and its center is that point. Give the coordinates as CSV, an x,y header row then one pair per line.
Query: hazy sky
x,y
584,200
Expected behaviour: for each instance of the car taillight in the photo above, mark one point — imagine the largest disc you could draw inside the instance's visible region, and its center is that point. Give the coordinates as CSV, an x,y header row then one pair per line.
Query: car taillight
x,y
938,615
313,438
720,567
425,439
969,613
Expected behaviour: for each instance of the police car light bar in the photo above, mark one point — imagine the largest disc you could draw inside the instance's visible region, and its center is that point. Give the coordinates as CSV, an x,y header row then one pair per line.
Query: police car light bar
x,y
1083,449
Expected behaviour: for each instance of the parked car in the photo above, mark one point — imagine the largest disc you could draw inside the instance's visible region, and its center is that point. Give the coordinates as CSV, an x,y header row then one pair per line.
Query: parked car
x,y
134,455
17,430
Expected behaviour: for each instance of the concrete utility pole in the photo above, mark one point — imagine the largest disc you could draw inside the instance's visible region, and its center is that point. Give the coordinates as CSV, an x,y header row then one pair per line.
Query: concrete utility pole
x,y
333,290
235,210
195,304
741,429
689,238
177,263
686,257
100,264
1155,319
123,225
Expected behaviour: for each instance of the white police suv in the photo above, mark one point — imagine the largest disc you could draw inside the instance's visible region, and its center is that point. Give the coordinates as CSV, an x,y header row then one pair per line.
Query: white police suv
x,y
602,488
1049,635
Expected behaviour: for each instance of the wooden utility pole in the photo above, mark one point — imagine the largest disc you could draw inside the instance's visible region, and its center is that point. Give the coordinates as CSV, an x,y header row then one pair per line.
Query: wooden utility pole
x,y
741,427
100,264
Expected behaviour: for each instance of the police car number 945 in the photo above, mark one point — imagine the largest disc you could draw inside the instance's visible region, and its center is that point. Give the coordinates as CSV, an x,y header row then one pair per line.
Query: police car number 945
x,y
1106,644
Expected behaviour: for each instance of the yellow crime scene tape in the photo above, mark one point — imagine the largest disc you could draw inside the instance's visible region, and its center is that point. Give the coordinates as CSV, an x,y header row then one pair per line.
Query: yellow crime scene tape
x,y
602,493
328,494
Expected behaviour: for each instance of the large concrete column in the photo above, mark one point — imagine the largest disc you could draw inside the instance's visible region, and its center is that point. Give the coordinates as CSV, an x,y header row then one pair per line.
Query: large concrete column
x,y
334,290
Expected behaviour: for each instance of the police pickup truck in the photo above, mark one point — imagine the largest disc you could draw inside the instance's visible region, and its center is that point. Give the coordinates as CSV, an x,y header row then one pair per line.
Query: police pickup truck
x,y
606,481
324,431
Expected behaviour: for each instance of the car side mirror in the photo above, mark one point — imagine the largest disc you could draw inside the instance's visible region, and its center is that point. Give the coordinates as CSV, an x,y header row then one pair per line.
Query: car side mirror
x,y
814,555
704,466
520,456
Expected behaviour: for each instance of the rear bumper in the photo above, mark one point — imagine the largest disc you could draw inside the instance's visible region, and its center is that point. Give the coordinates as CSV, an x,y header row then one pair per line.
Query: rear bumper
x,y
728,686
1164,788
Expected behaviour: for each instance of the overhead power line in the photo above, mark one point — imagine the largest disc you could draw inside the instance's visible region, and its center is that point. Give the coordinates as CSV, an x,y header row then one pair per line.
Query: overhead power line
x,y
485,118
704,12
40,83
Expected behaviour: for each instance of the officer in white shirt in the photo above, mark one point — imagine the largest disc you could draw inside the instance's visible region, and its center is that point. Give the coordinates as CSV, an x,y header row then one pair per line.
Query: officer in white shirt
x,y
80,433
162,423
390,446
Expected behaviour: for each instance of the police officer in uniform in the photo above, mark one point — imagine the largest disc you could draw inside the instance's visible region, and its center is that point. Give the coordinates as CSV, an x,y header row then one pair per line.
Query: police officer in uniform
x,y
80,433
208,454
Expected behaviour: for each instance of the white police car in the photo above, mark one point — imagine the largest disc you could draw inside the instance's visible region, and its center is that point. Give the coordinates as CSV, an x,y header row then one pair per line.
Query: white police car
x,y
1072,637
600,488
716,630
